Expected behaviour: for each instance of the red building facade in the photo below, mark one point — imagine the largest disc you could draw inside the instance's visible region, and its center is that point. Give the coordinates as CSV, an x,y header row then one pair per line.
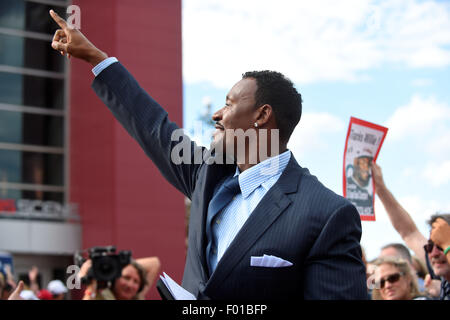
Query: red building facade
x,y
122,198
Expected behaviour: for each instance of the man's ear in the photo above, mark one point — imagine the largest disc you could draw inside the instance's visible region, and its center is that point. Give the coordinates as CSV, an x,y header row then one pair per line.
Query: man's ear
x,y
264,115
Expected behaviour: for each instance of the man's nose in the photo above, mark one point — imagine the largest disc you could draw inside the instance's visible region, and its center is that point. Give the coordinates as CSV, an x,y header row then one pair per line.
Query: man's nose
x,y
217,116
435,252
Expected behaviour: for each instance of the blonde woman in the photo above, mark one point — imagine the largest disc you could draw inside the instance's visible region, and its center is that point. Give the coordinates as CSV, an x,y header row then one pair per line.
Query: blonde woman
x,y
394,280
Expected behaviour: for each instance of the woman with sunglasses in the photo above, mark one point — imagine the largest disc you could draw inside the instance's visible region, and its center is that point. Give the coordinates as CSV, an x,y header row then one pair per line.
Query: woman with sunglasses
x,y
394,281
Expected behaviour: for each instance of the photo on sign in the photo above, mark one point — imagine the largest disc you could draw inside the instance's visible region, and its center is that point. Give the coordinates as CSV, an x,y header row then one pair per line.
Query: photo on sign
x,y
363,143
359,182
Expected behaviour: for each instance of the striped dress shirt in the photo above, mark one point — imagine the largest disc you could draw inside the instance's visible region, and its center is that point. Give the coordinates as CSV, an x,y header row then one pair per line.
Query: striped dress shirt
x,y
254,184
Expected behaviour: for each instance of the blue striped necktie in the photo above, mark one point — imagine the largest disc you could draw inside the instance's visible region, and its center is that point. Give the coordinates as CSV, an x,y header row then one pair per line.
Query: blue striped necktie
x,y
223,197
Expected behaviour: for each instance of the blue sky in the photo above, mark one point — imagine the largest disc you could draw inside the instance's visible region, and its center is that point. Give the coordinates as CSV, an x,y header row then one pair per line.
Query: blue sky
x,y
386,62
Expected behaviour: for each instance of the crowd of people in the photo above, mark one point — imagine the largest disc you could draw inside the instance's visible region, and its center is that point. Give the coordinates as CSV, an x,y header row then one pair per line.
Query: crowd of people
x,y
134,283
396,275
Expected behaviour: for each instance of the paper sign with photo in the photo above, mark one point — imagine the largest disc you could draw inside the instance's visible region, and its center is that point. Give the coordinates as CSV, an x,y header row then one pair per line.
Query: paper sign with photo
x,y
363,143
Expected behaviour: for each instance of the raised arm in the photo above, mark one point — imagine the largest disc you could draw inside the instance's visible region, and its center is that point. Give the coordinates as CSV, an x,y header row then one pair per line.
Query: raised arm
x,y
152,266
144,119
400,218
33,275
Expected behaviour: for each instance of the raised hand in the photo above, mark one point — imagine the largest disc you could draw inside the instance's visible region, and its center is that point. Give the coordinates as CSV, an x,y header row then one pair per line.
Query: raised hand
x,y
377,176
15,295
33,274
432,287
440,233
72,42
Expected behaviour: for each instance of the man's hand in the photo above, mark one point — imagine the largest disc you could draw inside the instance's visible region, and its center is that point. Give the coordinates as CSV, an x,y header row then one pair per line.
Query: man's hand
x,y
33,274
440,233
85,268
432,287
72,42
377,176
16,293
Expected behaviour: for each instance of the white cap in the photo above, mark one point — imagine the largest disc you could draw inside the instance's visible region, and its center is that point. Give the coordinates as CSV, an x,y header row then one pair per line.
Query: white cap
x,y
28,295
366,152
56,287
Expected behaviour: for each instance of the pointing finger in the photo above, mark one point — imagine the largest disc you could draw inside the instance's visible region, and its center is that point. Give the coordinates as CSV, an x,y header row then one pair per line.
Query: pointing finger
x,y
60,21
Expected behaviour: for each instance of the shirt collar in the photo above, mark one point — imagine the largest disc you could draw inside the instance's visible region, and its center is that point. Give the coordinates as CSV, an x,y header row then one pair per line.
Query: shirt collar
x,y
260,173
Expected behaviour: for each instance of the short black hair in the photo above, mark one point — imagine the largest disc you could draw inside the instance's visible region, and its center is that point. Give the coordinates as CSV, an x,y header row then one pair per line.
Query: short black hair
x,y
278,91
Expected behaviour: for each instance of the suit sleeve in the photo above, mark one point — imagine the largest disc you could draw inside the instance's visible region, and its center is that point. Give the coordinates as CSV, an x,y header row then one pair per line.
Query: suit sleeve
x,y
334,269
148,123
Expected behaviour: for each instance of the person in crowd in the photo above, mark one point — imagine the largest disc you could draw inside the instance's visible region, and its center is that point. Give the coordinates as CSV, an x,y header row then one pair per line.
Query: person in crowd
x,y
44,294
57,289
9,278
394,280
401,251
440,235
251,207
137,278
7,289
396,250
16,293
28,294
418,243
152,267
33,282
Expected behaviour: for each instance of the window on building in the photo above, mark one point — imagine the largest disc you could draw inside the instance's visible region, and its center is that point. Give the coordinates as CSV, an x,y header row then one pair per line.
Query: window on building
x,y
33,103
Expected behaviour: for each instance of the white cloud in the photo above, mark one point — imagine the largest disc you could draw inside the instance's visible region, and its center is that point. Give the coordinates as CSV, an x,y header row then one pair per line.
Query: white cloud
x,y
437,174
310,40
424,125
312,133
439,145
418,117
408,172
422,82
420,209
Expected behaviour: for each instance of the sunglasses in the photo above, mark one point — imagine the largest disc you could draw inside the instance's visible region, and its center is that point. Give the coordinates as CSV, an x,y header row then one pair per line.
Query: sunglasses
x,y
429,247
390,278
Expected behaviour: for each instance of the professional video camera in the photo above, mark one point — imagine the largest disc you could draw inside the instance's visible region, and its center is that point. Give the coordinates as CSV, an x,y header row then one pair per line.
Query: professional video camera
x,y
107,265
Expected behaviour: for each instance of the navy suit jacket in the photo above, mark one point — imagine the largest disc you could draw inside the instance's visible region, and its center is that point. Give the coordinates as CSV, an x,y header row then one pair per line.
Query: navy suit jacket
x,y
298,220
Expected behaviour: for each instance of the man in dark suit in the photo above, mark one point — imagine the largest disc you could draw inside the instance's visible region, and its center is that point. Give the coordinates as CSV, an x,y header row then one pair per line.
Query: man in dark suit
x,y
261,227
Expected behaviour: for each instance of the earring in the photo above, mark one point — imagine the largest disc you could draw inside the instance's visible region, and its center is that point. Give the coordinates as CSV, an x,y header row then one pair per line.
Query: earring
x,y
256,125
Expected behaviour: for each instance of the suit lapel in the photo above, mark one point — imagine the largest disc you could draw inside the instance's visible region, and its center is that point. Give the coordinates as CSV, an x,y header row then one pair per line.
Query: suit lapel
x,y
273,204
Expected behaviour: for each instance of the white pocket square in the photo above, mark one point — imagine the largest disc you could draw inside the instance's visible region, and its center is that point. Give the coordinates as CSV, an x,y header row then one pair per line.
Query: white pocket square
x,y
269,261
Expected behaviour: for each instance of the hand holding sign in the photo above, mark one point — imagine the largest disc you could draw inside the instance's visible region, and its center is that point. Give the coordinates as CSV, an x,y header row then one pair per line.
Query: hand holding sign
x,y
72,42
377,176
